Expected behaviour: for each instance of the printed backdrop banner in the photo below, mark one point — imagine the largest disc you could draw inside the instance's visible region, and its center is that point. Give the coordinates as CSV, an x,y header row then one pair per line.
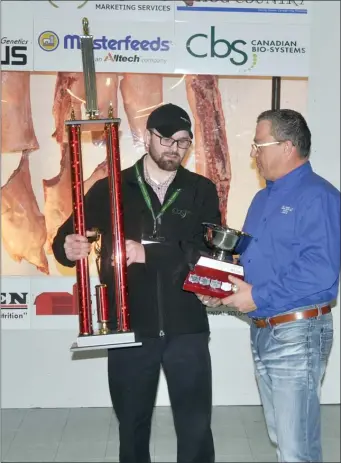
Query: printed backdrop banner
x,y
244,11
36,193
145,57
16,36
99,10
259,38
128,47
53,306
252,50
241,11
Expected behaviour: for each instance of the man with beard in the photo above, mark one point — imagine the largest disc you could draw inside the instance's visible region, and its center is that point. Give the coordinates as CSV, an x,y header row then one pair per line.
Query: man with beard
x,y
164,206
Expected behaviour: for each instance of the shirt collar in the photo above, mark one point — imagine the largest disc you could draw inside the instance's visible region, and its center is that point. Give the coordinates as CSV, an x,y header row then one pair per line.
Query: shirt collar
x,y
291,178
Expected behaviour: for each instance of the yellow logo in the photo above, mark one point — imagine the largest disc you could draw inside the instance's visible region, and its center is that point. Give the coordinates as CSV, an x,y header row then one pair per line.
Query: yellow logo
x,y
48,41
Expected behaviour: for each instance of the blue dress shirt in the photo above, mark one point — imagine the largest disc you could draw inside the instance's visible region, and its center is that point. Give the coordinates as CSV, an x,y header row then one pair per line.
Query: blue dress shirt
x,y
294,259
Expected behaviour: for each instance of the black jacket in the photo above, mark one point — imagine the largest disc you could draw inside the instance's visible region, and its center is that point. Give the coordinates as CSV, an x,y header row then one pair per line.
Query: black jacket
x,y
157,301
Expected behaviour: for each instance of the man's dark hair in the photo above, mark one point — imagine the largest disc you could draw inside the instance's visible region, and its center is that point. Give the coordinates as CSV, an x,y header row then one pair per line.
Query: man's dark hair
x,y
287,124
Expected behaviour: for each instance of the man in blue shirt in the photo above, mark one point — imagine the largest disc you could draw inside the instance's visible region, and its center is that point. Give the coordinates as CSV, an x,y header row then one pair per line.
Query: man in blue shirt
x,y
291,279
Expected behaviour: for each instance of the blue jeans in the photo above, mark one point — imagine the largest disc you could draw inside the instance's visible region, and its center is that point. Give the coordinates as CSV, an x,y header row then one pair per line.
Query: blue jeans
x,y
290,362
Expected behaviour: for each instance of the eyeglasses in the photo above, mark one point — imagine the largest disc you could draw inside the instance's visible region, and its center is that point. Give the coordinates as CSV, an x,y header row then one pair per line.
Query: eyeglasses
x,y
184,143
256,146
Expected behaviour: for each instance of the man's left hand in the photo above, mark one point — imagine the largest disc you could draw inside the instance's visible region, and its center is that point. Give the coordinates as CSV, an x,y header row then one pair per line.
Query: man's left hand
x,y
209,301
242,298
135,253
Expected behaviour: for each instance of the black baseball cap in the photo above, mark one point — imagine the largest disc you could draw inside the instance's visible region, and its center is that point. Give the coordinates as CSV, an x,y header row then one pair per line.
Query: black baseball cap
x,y
169,119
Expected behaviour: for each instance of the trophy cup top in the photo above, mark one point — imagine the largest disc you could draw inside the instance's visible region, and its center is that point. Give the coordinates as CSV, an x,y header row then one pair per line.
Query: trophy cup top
x,y
228,240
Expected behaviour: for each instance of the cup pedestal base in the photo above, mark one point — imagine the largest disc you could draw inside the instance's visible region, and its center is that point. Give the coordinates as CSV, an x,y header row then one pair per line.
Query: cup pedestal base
x,y
210,277
113,340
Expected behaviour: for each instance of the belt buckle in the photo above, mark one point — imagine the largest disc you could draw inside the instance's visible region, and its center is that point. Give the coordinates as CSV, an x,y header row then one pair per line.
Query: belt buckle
x,y
260,319
267,321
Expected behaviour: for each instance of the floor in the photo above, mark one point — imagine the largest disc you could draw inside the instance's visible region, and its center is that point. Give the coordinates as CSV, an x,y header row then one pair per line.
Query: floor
x,y
91,435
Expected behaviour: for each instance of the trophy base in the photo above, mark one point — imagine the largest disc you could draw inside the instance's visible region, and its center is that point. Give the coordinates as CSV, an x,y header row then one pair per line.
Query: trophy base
x,y
210,277
105,341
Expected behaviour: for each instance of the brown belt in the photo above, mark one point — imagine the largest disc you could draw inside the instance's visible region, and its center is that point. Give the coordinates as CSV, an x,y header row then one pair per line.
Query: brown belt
x,y
291,317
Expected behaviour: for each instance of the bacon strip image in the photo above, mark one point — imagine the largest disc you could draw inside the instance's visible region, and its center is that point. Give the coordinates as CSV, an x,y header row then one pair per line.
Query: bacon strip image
x,y
212,158
17,131
23,225
141,94
69,93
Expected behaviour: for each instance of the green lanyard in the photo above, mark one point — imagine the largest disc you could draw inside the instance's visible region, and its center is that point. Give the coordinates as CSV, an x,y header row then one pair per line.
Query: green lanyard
x,y
148,201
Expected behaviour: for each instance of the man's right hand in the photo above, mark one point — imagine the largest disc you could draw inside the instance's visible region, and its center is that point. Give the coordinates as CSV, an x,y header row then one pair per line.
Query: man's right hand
x,y
77,246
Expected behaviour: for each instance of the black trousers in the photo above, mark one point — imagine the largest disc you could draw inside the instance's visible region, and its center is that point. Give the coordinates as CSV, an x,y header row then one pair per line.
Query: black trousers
x,y
133,380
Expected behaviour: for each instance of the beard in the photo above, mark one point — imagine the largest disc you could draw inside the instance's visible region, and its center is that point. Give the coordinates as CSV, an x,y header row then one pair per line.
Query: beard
x,y
166,163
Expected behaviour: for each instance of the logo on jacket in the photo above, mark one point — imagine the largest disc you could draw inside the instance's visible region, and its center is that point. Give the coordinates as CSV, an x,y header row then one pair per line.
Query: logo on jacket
x,y
181,212
286,209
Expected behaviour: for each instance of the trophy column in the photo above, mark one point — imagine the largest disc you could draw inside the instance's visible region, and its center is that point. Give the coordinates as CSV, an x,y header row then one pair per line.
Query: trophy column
x,y
118,241
82,290
103,338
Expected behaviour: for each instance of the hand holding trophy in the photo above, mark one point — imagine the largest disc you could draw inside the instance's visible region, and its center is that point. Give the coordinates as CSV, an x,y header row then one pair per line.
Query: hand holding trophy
x,y
210,276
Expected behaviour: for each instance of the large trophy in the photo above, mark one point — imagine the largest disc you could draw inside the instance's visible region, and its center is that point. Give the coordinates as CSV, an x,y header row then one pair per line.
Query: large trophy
x,y
210,276
103,338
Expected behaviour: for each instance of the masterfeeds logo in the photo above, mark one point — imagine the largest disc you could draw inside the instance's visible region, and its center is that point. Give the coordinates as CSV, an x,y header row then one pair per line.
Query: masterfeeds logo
x,y
127,44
